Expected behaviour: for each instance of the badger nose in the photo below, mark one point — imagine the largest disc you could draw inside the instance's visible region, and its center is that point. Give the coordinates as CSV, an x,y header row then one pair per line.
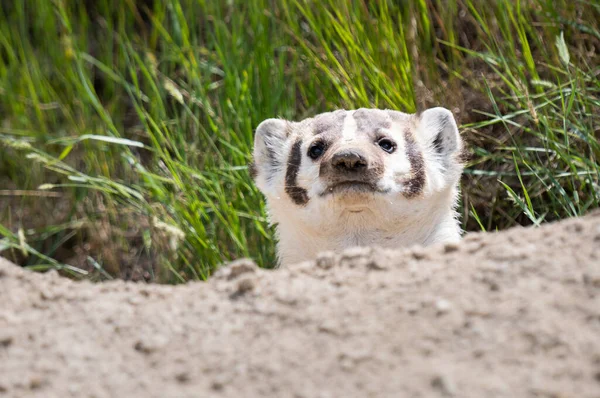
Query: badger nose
x,y
349,160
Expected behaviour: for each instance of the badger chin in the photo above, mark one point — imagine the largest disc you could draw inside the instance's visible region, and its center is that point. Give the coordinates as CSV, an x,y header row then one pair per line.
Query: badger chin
x,y
351,188
352,192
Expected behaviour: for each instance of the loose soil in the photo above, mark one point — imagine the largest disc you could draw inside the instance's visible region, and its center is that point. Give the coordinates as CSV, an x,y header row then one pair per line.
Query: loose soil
x,y
511,314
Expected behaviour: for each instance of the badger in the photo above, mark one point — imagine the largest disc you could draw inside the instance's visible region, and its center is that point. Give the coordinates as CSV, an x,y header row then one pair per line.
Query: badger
x,y
365,177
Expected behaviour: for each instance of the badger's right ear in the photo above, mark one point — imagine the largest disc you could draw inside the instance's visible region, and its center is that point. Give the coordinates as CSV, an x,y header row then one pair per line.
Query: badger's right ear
x,y
269,144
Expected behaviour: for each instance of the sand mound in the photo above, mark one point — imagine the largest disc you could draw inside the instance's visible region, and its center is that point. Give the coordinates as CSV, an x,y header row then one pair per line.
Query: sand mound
x,y
500,315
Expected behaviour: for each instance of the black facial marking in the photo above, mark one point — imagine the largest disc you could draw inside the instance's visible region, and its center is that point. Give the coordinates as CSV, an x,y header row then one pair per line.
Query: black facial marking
x,y
415,184
298,194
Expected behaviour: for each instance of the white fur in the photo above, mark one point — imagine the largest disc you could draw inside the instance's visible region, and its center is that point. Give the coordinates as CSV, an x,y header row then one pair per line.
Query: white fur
x,y
349,128
334,223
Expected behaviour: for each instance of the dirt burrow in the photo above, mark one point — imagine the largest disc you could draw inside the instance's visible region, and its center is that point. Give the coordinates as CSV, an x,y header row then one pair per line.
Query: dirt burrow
x,y
513,314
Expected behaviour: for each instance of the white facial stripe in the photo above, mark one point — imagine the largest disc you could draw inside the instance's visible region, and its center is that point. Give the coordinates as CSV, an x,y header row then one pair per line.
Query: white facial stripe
x,y
349,128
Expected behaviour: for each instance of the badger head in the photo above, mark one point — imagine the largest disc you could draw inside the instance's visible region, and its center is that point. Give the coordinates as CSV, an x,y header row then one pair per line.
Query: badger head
x,y
358,177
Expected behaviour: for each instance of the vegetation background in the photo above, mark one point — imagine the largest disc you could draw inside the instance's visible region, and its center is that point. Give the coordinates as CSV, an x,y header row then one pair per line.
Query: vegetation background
x,y
126,126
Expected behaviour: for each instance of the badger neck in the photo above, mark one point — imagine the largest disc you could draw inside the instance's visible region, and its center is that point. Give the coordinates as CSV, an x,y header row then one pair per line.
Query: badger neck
x,y
429,225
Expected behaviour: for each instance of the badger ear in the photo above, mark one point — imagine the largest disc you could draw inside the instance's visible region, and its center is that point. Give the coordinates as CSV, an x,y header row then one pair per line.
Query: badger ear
x,y
438,127
269,142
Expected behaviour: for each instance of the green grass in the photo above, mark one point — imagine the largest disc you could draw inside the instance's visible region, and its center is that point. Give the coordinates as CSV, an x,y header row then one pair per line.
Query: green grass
x,y
126,126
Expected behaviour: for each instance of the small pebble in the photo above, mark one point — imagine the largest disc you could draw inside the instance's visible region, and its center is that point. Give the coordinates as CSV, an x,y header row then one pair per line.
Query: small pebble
x,y
442,306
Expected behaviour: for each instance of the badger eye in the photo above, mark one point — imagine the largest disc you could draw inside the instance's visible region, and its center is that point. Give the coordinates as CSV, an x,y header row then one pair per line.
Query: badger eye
x,y
316,150
387,145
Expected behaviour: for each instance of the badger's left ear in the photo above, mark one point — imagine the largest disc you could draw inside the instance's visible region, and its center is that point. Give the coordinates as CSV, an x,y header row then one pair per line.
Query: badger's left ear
x,y
438,128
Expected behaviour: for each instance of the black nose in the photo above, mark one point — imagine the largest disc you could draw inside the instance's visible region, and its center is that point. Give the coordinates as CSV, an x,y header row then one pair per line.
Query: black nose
x,y
349,160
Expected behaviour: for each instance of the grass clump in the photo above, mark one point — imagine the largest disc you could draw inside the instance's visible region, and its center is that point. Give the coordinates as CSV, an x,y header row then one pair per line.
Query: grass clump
x,y
126,127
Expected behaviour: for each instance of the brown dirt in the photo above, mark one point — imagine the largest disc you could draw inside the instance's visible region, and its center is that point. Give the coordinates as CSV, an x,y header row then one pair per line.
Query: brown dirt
x,y
512,314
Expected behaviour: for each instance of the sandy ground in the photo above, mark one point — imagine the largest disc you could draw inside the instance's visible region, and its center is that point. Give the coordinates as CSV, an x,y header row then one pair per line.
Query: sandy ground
x,y
514,314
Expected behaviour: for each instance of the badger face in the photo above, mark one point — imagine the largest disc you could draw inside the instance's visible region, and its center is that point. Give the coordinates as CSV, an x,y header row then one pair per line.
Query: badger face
x,y
342,175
